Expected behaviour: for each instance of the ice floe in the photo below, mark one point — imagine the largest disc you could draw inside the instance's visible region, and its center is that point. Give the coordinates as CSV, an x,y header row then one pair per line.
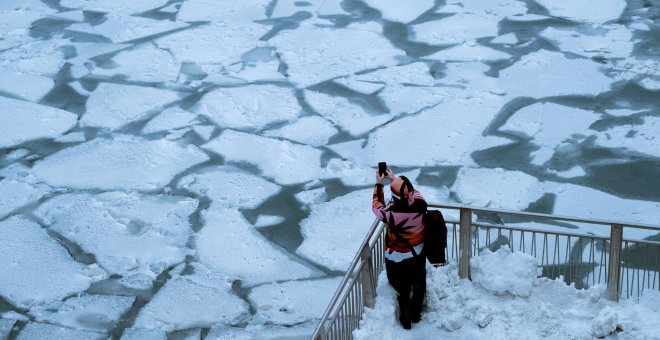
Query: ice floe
x,y
497,188
310,130
97,313
351,117
135,236
470,53
287,8
72,137
642,138
393,11
548,125
204,131
143,334
593,11
289,303
22,121
262,332
27,86
230,187
249,107
123,162
5,328
186,303
111,106
506,39
330,53
124,28
495,8
229,245
616,42
265,220
36,268
170,119
456,29
408,74
284,162
311,196
349,173
145,63
550,70
201,10
124,7
41,57
36,330
15,194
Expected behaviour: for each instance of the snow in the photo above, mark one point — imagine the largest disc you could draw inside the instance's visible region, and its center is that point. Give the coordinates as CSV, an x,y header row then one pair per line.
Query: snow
x,y
592,11
548,125
286,163
550,69
96,313
36,268
576,171
470,53
22,121
289,304
265,220
16,194
111,106
330,53
617,42
262,332
35,330
308,197
230,187
310,130
249,107
27,86
229,245
123,162
333,244
136,236
170,119
641,138
391,9
144,63
527,307
350,117
456,29
496,188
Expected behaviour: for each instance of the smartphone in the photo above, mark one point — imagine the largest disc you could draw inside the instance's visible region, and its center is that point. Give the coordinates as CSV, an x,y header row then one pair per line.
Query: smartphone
x,y
382,168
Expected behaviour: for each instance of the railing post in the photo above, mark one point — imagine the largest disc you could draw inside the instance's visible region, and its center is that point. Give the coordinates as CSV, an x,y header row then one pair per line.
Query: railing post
x,y
368,282
614,270
465,244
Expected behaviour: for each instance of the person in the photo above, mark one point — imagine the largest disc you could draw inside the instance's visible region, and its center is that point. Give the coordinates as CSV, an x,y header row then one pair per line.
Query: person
x,y
405,262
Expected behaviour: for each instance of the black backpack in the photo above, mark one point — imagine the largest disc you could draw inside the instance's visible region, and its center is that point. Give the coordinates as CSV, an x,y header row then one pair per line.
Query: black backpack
x,y
435,236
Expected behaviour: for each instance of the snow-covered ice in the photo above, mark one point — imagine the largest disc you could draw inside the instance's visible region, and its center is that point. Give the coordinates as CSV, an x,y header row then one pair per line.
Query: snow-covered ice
x,y
5,327
617,42
125,7
36,268
111,106
470,53
37,330
125,28
28,86
391,9
456,29
311,130
229,245
15,194
283,161
293,302
144,63
642,138
592,11
170,119
22,121
143,334
123,162
201,10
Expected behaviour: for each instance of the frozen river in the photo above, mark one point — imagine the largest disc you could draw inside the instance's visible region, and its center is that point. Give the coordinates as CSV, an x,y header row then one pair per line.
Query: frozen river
x,y
193,168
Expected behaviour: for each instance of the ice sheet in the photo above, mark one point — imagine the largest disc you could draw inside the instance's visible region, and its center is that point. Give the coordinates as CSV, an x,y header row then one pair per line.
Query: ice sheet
x,y
136,236
550,69
642,138
310,130
334,247
393,11
28,86
170,119
470,53
39,57
183,303
232,247
594,11
111,106
124,162
249,107
96,313
35,330
616,42
289,304
230,187
350,117
125,28
15,194
330,53
497,188
284,162
124,7
408,74
36,268
144,63
456,29
203,10
495,8
143,334
22,121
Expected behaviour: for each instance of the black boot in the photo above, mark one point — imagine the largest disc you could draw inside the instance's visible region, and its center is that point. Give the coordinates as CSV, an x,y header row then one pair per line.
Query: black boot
x,y
416,306
404,312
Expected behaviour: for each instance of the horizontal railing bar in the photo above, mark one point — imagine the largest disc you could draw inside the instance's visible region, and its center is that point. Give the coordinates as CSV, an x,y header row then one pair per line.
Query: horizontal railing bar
x,y
544,216
540,231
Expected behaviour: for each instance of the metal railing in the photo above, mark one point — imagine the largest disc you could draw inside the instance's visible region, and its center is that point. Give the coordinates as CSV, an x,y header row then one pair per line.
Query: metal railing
x,y
627,266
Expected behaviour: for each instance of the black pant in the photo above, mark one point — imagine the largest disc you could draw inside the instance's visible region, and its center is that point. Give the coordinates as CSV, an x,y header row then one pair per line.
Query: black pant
x,y
408,276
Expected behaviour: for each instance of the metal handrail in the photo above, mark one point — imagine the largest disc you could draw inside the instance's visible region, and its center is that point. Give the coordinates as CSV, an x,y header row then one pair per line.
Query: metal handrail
x,y
357,289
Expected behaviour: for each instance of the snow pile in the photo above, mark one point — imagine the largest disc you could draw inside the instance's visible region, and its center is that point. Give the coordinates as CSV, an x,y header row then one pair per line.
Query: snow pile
x,y
505,299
